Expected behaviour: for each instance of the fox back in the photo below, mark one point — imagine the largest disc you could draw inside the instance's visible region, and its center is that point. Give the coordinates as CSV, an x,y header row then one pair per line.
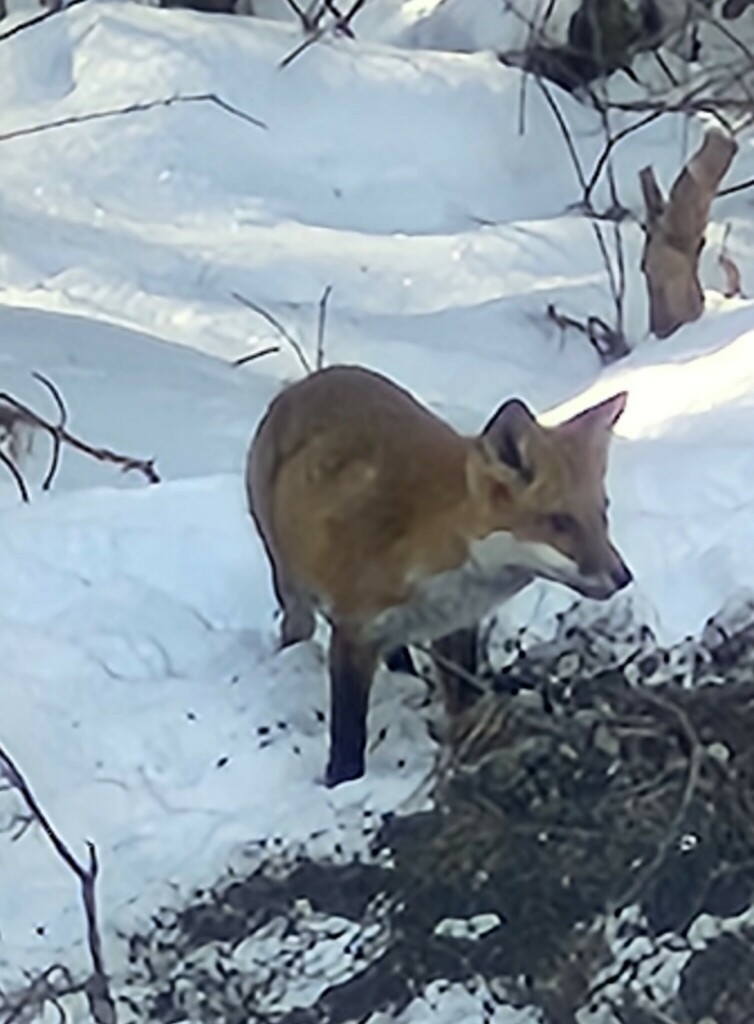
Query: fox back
x,y
377,514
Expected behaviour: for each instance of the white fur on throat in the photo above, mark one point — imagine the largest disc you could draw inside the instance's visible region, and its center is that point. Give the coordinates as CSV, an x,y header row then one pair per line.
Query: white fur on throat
x,y
497,568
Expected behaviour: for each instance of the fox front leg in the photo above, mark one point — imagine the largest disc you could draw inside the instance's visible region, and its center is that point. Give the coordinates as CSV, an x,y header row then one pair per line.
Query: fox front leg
x,y
352,667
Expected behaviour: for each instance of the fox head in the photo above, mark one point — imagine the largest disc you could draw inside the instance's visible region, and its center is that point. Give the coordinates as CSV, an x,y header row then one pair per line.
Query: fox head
x,y
544,488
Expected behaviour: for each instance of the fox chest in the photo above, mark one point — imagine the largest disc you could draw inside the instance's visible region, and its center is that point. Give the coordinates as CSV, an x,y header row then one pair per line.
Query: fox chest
x,y
456,598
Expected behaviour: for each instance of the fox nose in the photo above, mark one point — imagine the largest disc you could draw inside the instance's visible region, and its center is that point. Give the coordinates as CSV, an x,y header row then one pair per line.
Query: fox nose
x,y
621,575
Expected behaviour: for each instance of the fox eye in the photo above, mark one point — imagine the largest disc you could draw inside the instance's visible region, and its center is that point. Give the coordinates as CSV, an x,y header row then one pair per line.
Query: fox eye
x,y
562,522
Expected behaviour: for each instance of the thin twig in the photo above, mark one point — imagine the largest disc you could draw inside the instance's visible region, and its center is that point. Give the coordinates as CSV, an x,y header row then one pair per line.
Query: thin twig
x,y
270,350
15,472
732,189
301,48
301,14
565,131
133,108
316,30
454,668
321,327
351,13
57,443
534,31
40,990
615,286
610,144
101,1003
50,13
606,341
274,322
615,204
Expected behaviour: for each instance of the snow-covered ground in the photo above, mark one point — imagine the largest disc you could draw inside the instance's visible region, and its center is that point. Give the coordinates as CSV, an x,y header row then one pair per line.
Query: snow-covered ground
x,y
142,695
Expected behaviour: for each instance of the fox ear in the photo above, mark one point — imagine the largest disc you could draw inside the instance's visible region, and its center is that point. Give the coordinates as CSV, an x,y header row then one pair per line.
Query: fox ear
x,y
488,481
602,416
506,433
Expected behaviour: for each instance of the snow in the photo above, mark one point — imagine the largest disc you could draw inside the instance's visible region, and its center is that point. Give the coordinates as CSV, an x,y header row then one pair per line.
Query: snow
x,y
143,696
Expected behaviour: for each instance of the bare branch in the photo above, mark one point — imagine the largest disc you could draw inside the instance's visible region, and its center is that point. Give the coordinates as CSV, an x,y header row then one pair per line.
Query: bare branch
x,y
274,322
134,108
49,13
301,48
270,350
316,29
40,991
565,132
56,439
610,144
301,14
101,1003
60,434
15,472
615,337
732,189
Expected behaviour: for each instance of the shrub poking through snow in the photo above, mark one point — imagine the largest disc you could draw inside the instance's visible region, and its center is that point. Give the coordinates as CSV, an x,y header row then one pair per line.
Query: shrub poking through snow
x,y
588,847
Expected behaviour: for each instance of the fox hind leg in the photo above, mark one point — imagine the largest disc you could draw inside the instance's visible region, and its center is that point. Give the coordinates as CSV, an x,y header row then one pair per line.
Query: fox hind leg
x,y
297,610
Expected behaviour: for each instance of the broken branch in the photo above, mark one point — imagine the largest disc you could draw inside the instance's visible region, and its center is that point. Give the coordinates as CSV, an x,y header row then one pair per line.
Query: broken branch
x,y
61,435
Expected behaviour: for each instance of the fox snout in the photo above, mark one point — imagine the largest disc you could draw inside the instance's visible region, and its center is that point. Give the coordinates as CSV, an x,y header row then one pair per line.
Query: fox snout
x,y
602,585
621,575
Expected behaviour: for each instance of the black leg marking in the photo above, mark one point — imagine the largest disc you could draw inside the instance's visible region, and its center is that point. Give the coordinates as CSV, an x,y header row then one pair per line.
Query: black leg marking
x,y
351,670
400,660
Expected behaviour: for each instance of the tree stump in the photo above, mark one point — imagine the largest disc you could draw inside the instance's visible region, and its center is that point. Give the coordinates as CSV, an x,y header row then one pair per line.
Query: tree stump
x,y
675,232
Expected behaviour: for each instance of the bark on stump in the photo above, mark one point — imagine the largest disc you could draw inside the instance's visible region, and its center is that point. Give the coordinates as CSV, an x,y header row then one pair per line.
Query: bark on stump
x,y
675,232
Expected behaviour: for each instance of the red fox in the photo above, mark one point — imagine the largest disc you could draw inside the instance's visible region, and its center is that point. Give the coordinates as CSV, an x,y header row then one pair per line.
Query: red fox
x,y
378,515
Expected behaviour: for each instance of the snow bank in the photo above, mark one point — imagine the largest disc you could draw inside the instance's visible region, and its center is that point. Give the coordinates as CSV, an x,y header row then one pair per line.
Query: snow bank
x,y
142,693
